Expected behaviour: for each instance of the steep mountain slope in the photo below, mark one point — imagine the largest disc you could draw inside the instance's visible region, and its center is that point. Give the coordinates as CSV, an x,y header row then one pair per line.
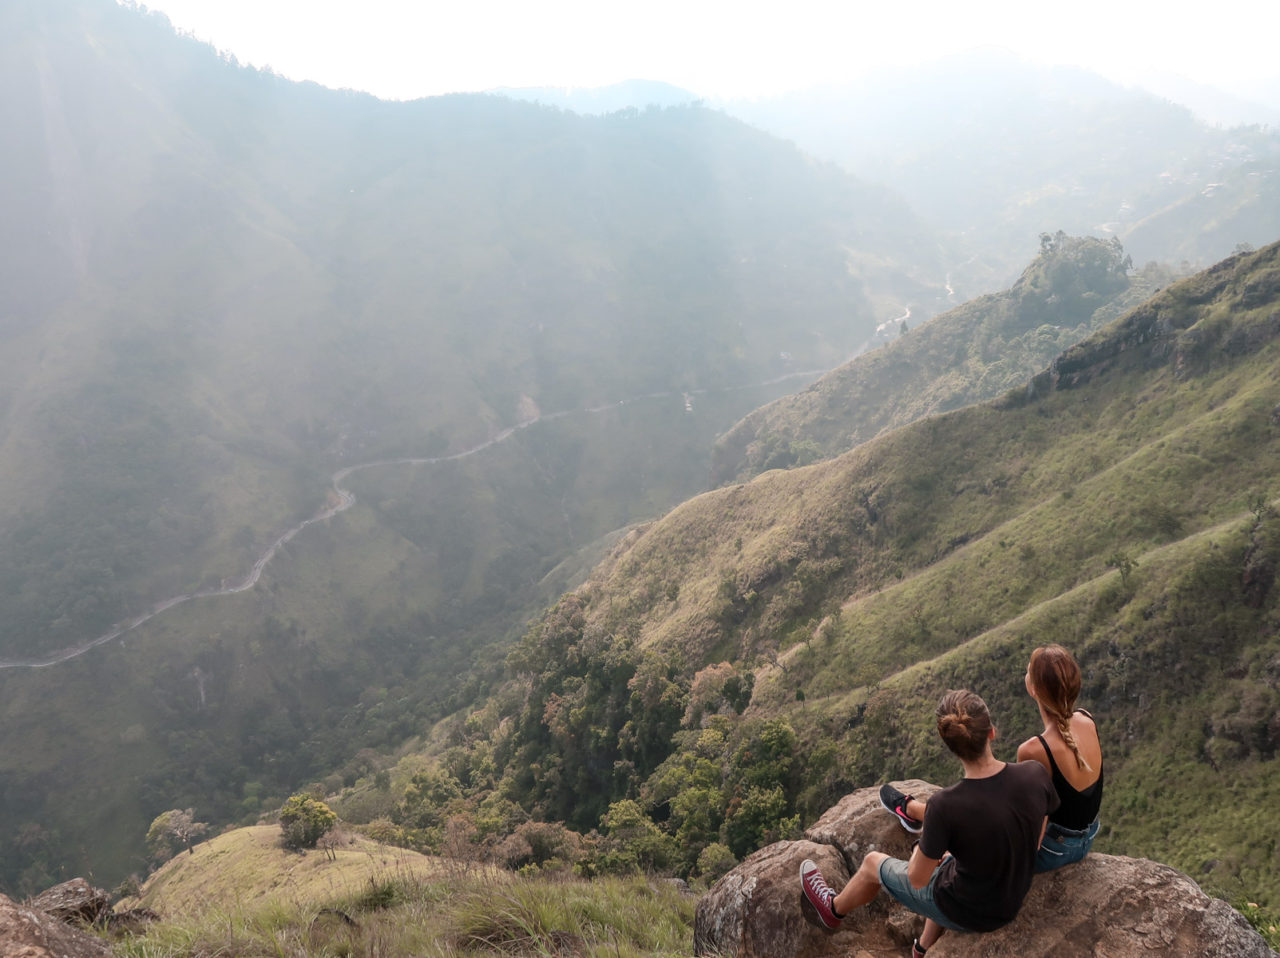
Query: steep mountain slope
x,y
971,353
219,288
254,278
1123,502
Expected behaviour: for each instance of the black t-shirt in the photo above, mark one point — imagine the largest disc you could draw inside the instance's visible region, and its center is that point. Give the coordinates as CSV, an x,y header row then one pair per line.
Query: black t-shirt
x,y
991,827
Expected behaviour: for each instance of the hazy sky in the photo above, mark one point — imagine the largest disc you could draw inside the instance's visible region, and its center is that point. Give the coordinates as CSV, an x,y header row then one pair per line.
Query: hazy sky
x,y
399,49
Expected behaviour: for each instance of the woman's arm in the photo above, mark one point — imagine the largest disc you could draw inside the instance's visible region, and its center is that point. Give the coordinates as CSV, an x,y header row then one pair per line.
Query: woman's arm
x,y
1032,751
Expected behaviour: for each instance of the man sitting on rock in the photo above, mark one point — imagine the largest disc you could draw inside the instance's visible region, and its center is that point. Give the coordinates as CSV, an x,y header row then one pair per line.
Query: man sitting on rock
x,y
976,856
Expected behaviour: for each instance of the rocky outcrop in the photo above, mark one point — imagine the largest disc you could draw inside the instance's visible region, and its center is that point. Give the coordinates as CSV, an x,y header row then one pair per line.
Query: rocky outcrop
x,y
28,933
1105,905
74,901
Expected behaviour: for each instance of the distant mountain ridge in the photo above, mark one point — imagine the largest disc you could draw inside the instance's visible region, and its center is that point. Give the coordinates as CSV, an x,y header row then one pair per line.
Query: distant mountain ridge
x,y
994,151
627,95
1217,106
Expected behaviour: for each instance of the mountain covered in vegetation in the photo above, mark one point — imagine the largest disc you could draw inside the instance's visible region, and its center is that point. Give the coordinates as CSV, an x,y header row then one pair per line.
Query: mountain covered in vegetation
x,y
974,352
512,330
734,668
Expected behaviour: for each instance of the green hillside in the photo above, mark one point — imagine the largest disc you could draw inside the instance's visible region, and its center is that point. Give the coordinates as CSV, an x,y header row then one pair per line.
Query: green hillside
x,y
218,288
740,664
974,352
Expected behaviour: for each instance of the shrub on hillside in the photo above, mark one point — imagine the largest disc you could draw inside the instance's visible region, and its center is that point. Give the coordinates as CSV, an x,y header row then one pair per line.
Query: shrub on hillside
x,y
542,845
385,831
714,861
304,820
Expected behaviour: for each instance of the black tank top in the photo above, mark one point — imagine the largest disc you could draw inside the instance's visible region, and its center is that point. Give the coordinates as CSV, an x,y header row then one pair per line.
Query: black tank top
x,y
1077,809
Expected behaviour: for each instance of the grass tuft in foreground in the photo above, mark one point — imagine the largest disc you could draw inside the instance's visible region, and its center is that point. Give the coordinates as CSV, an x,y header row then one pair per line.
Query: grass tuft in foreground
x,y
470,912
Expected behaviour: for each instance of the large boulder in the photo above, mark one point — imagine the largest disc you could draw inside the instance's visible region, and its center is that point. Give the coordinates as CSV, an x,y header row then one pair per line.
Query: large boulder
x,y
28,933
1105,905
74,901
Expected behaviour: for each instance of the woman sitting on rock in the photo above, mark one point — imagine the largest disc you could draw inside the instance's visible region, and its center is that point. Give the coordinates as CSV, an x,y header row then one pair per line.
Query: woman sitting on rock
x,y
977,850
1068,748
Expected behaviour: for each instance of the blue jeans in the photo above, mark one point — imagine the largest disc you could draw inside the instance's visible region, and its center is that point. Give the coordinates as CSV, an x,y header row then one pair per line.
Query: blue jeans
x,y
1062,846
893,878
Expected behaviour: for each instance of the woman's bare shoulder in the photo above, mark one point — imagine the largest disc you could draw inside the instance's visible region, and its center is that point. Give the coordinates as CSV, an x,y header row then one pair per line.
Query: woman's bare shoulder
x,y
1031,749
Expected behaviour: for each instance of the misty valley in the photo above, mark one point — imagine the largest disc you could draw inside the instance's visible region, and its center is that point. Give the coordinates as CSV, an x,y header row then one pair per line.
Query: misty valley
x,y
587,492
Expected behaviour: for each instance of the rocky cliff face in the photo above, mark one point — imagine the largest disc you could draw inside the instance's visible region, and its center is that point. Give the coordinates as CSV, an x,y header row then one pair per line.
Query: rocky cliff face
x,y
1105,905
28,932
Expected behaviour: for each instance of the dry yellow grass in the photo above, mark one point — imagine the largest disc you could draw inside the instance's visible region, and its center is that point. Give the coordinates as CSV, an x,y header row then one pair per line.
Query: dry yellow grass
x,y
248,867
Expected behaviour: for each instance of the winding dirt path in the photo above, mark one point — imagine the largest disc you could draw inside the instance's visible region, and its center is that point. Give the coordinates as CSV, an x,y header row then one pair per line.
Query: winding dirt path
x,y
345,500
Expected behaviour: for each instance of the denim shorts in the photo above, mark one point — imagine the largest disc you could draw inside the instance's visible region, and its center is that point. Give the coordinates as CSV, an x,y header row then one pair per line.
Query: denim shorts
x,y
1062,846
893,876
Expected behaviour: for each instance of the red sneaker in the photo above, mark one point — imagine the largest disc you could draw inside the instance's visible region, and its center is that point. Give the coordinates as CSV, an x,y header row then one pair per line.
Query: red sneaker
x,y
819,893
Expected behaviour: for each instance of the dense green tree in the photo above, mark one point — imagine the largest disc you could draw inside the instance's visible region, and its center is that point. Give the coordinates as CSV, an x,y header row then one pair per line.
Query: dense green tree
x,y
304,820
427,799
632,841
759,818
766,755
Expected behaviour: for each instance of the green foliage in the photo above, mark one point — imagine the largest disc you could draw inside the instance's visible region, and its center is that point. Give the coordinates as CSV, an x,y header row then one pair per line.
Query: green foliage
x,y
427,800
1265,920
633,842
304,820
385,831
714,861
766,755
534,847
1123,563
606,710
974,352
759,818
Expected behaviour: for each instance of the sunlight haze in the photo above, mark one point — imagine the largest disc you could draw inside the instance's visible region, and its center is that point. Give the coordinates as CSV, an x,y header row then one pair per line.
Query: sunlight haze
x,y
399,50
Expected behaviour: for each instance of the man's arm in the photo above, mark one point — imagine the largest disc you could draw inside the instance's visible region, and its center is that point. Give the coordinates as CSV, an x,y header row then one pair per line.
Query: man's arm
x,y
920,868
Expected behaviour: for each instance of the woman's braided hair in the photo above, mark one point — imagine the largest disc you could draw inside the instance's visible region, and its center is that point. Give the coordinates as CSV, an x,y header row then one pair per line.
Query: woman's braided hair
x,y
1055,676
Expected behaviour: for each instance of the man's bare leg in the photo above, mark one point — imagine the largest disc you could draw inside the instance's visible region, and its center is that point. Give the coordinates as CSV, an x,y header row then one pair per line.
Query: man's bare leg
x,y
932,932
863,886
